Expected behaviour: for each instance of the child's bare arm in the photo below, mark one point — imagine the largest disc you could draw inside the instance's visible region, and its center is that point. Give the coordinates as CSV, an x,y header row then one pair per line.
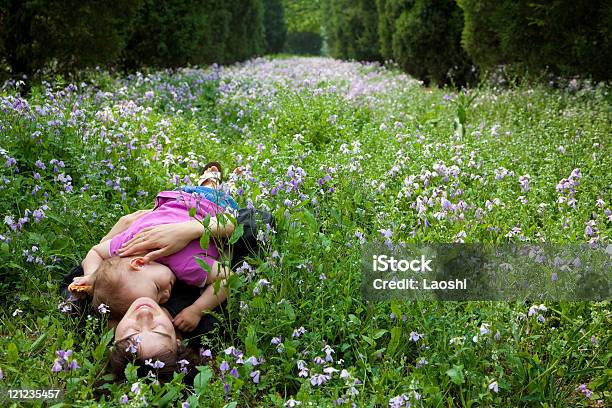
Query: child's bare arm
x,y
95,256
189,317
220,229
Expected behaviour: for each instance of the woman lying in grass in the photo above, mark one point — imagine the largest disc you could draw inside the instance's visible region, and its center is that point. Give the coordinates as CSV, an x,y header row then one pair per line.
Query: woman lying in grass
x,y
118,281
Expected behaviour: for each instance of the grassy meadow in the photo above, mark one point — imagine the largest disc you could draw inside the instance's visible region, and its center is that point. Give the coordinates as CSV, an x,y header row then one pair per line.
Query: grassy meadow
x,y
342,154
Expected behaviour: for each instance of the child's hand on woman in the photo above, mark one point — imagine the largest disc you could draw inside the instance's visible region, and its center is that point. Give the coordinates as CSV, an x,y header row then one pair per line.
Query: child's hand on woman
x,y
187,319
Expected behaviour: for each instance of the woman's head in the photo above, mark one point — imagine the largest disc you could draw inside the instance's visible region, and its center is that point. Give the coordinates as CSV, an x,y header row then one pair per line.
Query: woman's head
x,y
120,281
153,326
146,333
212,175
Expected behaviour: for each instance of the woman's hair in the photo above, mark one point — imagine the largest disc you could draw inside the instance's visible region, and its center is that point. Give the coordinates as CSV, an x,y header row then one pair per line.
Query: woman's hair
x,y
106,285
120,356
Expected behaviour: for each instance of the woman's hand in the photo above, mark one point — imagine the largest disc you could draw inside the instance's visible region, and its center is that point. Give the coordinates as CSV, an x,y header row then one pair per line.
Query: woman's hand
x,y
187,319
162,240
123,223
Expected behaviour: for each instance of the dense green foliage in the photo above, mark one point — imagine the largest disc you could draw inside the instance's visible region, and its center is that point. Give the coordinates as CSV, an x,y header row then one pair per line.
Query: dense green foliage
x,y
303,16
64,36
566,37
351,29
275,26
303,26
342,154
440,41
182,32
303,42
424,38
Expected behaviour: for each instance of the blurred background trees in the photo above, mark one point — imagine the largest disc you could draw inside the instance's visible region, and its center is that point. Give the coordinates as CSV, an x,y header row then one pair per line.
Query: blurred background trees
x,y
303,26
437,41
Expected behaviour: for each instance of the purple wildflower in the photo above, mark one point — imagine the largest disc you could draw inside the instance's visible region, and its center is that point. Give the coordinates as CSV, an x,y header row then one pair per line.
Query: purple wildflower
x,y
414,336
73,365
421,362
298,332
103,308
135,389
494,387
57,366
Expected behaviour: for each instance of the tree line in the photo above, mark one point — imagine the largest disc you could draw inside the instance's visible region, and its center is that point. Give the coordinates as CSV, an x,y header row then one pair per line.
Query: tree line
x,y
440,40
50,36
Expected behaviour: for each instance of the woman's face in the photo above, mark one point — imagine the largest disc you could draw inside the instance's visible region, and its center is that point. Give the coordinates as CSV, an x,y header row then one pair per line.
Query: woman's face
x,y
152,324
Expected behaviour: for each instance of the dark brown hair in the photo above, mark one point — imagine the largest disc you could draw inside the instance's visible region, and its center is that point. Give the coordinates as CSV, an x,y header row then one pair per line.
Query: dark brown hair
x,y
120,356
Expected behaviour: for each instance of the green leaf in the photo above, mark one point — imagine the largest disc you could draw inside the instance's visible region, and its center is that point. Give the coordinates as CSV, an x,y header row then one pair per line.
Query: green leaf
x,y
167,398
231,218
395,308
131,373
238,232
200,382
12,353
368,339
289,311
38,342
205,239
251,341
379,334
232,404
203,264
192,212
396,335
108,336
456,374
206,221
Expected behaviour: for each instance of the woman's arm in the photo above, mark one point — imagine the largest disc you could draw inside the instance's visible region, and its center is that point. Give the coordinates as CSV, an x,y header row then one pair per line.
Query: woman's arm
x,y
167,239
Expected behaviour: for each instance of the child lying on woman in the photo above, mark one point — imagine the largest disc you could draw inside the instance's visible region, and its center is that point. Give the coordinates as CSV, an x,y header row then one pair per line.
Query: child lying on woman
x,y
117,282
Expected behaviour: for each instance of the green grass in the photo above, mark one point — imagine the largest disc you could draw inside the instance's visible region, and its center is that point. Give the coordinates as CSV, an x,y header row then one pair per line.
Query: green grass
x,y
384,141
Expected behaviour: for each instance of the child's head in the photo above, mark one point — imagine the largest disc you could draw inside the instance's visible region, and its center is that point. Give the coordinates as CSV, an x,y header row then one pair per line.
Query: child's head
x,y
119,281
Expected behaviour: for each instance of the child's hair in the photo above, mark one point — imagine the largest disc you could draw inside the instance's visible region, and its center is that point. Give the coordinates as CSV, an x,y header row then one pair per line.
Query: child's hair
x,y
120,356
107,285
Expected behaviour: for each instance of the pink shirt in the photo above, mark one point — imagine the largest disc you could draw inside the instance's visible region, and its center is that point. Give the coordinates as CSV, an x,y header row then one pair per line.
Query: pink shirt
x,y
172,207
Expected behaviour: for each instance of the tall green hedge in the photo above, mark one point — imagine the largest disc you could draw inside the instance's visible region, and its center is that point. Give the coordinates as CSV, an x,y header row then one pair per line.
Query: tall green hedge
x,y
62,36
351,29
69,34
274,26
179,32
424,38
567,37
